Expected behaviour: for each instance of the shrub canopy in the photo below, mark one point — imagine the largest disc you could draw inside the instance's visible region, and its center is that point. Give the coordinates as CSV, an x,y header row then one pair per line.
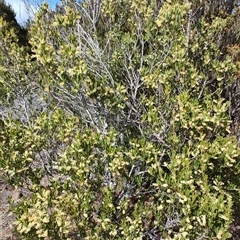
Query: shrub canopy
x,y
124,129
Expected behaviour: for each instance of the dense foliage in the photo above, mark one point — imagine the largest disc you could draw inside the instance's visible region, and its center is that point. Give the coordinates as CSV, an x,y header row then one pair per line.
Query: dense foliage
x,y
118,123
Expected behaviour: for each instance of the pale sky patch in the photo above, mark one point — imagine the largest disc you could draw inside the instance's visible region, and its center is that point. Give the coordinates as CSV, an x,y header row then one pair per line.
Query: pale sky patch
x,y
22,14
19,8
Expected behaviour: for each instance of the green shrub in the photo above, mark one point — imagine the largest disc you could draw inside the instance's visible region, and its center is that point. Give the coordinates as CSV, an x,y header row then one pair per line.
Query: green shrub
x,y
135,142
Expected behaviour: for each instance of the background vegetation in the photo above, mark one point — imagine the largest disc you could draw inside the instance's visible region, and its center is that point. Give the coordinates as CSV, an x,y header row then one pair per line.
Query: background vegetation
x,y
121,119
